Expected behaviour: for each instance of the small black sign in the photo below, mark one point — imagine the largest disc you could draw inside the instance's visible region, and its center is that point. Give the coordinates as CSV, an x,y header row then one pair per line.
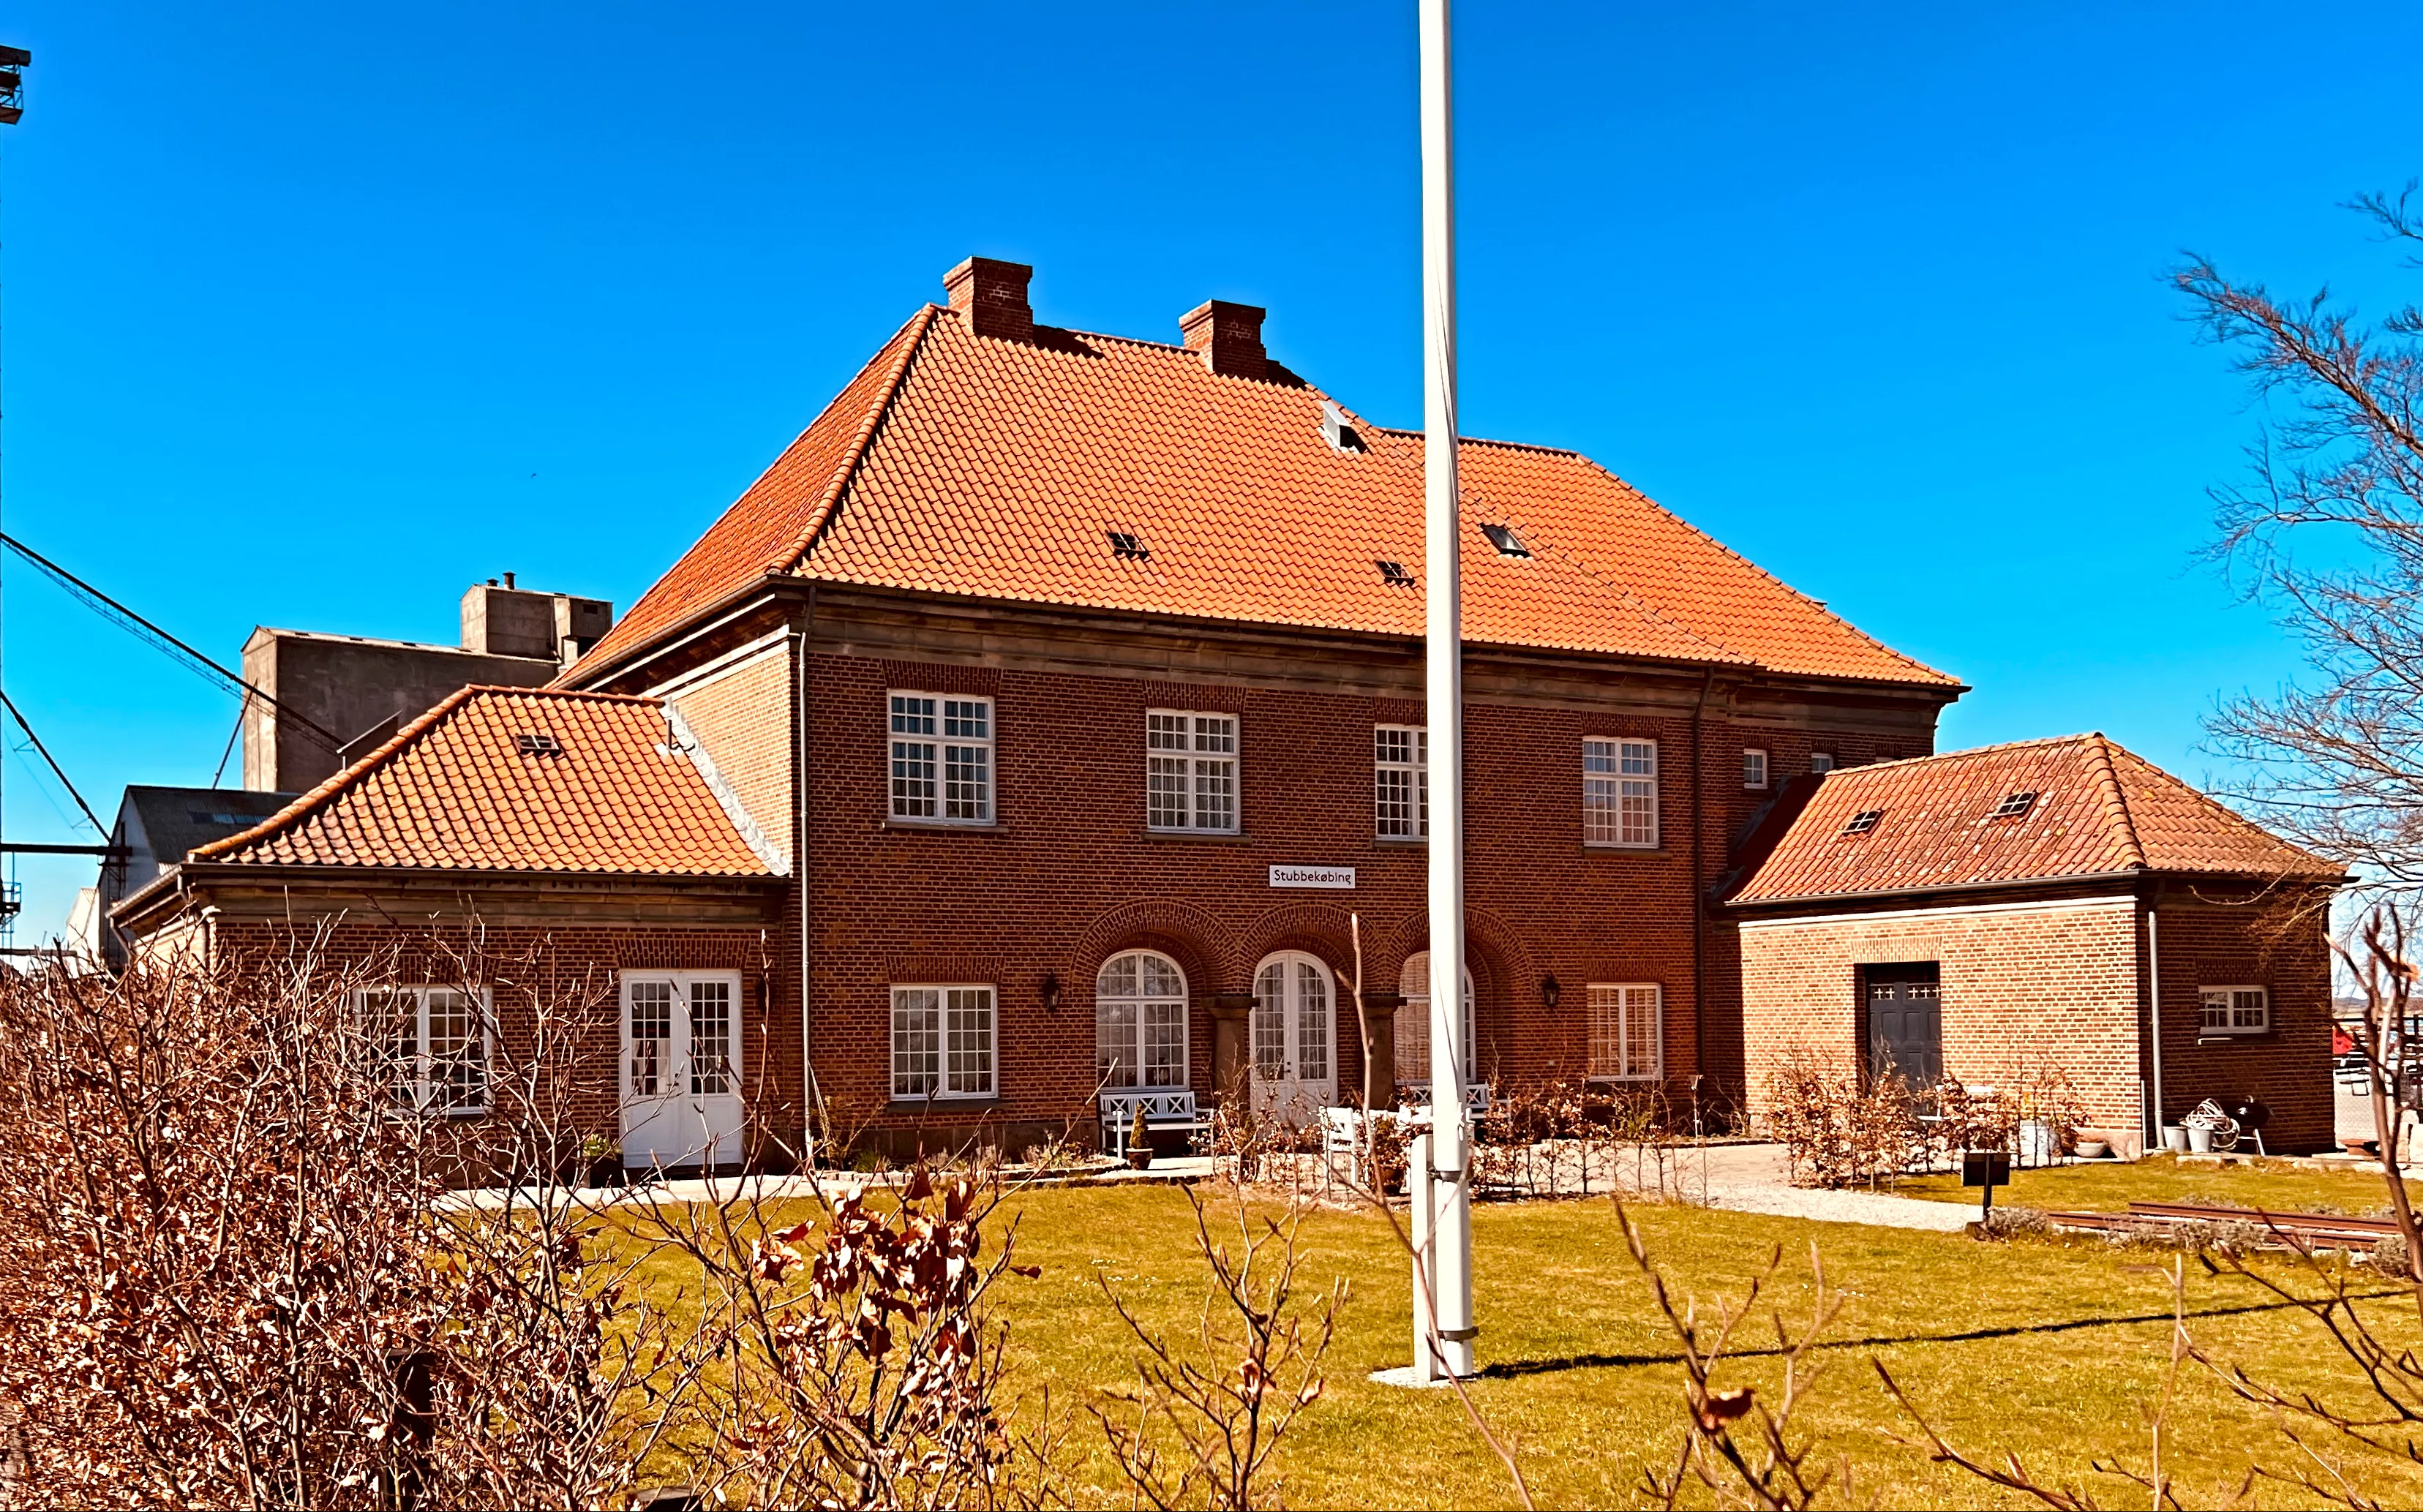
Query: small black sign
x,y
1985,1168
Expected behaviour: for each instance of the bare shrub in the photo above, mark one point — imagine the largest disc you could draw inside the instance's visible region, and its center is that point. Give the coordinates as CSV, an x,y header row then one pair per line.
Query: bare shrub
x,y
1735,1445
853,1367
229,1274
1206,1419
1841,1130
2389,1257
2014,1222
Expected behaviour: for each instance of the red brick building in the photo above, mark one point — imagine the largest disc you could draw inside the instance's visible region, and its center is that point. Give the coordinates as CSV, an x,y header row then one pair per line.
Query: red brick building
x,y
2057,904
1064,691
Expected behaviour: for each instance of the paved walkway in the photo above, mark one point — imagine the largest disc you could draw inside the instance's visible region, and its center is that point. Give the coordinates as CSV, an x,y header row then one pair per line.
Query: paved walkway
x,y
1746,1178
1752,1179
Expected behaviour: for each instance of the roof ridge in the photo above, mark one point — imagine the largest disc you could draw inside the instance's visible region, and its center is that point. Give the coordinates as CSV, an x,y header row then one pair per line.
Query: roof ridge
x,y
1619,481
1948,755
344,776
915,332
317,797
1486,441
2115,803
2212,803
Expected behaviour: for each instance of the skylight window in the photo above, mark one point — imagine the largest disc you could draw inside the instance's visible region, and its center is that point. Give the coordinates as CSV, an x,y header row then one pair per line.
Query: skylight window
x,y
1127,547
1864,821
2016,806
1505,539
538,744
1394,573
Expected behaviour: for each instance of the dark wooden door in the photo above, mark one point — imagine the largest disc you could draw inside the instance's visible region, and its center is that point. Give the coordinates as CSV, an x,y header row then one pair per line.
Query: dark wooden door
x,y
1905,1030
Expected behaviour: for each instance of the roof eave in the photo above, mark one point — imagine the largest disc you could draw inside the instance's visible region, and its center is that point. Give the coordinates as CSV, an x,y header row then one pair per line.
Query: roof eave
x,y
189,874
2131,873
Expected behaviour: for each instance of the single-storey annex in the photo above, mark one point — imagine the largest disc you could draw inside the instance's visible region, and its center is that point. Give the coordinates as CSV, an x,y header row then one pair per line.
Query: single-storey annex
x,y
2054,903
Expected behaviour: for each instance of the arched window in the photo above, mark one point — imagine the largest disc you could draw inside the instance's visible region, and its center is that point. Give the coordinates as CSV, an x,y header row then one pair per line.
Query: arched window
x,y
1140,1022
1414,1022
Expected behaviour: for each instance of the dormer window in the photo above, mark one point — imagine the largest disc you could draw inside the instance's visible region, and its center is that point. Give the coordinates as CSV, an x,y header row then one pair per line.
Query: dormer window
x,y
1126,547
1338,431
2015,806
1864,821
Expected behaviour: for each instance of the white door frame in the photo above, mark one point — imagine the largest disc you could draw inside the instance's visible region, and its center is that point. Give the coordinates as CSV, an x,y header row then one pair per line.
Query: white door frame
x,y
1281,1087
692,1115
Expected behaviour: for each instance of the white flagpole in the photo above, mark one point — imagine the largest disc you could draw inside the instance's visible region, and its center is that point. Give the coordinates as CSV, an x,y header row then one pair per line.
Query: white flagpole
x,y
1448,1252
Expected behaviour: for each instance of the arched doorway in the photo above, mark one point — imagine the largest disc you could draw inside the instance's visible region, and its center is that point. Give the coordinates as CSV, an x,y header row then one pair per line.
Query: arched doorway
x,y
1295,1075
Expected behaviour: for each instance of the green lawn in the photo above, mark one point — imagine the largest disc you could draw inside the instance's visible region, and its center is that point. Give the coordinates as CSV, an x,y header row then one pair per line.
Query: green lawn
x,y
2110,1186
2048,1347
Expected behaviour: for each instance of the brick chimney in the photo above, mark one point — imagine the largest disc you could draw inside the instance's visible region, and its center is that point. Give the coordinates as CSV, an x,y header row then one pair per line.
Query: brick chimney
x,y
1228,336
992,295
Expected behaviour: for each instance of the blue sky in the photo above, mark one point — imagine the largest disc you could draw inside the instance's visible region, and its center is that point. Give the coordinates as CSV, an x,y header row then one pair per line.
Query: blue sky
x,y
314,314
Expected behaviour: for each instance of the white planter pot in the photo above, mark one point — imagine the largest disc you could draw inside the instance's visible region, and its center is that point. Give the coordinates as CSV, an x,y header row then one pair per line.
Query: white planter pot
x,y
2200,1140
2035,1141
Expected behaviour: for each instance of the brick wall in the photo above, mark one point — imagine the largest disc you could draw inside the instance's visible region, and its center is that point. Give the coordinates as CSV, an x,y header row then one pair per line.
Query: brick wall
x,y
2046,982
2211,938
571,974
742,715
1070,876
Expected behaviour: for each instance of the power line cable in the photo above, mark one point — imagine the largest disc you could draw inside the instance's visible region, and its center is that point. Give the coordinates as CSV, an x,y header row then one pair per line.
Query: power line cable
x,y
56,770
143,629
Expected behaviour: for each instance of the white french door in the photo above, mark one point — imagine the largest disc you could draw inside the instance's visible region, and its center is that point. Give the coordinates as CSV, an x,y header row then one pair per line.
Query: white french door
x,y
1295,1075
681,1069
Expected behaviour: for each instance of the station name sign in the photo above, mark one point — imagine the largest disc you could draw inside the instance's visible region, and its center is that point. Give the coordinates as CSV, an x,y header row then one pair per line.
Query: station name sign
x,y
1340,877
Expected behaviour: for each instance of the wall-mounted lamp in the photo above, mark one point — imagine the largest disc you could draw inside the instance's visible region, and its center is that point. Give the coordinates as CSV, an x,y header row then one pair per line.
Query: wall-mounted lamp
x,y
1550,991
1050,992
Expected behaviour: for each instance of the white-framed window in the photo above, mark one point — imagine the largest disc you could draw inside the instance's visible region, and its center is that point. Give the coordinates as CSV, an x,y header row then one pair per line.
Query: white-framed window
x,y
1821,760
2235,1010
1400,782
1190,770
942,1041
1753,769
1414,1022
436,1044
1620,793
941,759
1140,1022
1626,1032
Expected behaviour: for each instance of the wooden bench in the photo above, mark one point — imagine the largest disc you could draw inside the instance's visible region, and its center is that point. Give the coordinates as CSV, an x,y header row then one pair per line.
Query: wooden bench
x,y
1165,1110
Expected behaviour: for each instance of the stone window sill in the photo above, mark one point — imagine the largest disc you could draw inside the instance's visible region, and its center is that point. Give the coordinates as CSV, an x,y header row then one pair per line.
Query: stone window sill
x,y
1601,847
913,827
1213,837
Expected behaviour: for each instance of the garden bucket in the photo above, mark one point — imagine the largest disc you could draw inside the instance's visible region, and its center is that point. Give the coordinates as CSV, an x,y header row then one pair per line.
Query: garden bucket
x,y
2200,1140
2175,1139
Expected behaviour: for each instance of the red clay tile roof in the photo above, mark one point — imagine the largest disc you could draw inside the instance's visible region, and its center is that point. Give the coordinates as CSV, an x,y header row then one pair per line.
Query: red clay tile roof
x,y
966,464
2099,811
455,789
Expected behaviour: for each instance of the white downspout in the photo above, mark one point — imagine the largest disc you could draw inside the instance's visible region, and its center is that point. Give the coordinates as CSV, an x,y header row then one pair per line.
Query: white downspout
x,y
2154,993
